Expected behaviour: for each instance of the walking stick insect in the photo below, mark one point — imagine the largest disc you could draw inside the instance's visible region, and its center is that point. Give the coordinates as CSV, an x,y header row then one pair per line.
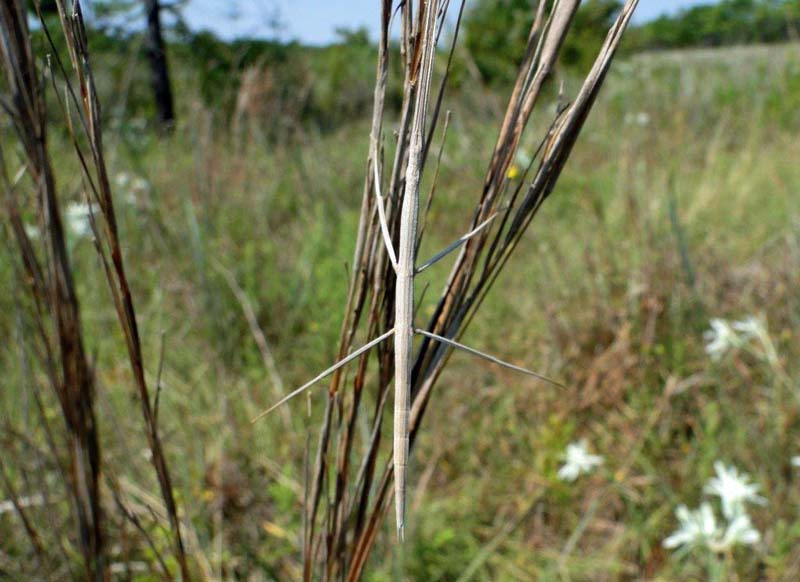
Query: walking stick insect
x,y
404,264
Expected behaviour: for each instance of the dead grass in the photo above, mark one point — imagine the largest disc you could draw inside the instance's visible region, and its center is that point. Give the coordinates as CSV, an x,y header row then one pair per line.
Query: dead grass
x,y
597,295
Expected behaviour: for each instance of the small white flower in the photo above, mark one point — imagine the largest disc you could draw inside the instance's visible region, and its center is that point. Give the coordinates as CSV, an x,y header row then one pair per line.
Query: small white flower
x,y
642,118
131,188
32,231
31,501
721,338
140,185
523,158
78,217
750,327
796,461
697,528
754,328
578,461
734,490
739,531
123,179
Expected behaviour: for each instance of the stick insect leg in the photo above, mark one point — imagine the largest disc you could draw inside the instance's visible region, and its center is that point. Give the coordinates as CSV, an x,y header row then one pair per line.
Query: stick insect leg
x,y
440,255
475,352
326,373
387,238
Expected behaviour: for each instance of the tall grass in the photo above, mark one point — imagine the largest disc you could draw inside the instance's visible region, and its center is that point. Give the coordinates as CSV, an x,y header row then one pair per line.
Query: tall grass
x,y
595,295
52,286
381,289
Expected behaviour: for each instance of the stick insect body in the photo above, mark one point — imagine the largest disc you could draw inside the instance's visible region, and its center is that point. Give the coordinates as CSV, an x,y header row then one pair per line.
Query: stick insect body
x,y
404,263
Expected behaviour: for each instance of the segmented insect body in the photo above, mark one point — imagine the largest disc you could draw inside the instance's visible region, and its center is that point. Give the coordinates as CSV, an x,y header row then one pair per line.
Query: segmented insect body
x,y
404,263
403,336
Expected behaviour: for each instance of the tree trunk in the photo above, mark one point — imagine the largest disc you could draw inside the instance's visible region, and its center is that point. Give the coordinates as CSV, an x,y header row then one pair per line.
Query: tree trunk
x,y
159,73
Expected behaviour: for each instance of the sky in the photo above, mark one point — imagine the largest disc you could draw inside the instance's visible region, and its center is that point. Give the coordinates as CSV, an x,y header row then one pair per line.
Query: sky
x,y
315,21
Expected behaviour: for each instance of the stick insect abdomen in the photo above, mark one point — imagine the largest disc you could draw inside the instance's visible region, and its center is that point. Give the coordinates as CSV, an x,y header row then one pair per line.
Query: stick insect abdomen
x,y
402,391
404,331
406,268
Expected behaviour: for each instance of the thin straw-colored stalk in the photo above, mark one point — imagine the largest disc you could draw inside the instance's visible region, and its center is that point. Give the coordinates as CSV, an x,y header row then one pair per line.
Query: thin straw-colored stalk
x,y
50,278
108,245
381,299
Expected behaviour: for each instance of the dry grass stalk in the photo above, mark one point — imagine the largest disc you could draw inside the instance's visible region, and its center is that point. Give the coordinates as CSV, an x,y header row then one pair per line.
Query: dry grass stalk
x,y
20,505
109,248
52,287
404,264
258,336
381,301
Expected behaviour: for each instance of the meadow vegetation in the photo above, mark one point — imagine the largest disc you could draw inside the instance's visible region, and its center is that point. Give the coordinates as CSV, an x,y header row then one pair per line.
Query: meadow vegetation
x,y
679,205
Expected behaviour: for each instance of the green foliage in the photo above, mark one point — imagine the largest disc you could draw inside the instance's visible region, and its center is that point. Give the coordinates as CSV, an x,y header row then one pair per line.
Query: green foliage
x,y
591,25
496,33
111,8
219,65
725,23
290,85
45,6
598,298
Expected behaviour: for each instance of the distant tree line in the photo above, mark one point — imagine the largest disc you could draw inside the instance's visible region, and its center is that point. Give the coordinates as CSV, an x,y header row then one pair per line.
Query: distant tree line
x,y
288,84
496,33
154,44
496,30
726,23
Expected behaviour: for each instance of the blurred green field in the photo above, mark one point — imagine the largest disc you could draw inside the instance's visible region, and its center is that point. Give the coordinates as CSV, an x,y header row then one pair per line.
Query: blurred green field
x,y
680,204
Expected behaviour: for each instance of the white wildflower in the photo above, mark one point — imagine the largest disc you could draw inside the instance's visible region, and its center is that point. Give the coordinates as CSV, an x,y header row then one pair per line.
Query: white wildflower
x,y
796,461
641,118
697,528
700,529
754,328
78,217
32,231
721,338
31,501
751,327
739,531
130,188
578,461
140,185
523,158
734,490
123,179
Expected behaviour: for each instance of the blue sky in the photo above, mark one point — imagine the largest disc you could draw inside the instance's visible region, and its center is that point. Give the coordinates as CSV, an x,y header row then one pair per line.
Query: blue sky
x,y
314,21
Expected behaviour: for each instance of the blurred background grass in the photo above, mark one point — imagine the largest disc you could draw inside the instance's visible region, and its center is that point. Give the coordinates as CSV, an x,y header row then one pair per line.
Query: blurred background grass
x,y
680,204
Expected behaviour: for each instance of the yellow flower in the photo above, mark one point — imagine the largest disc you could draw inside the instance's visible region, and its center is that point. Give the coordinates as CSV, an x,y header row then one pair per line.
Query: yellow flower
x,y
513,172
